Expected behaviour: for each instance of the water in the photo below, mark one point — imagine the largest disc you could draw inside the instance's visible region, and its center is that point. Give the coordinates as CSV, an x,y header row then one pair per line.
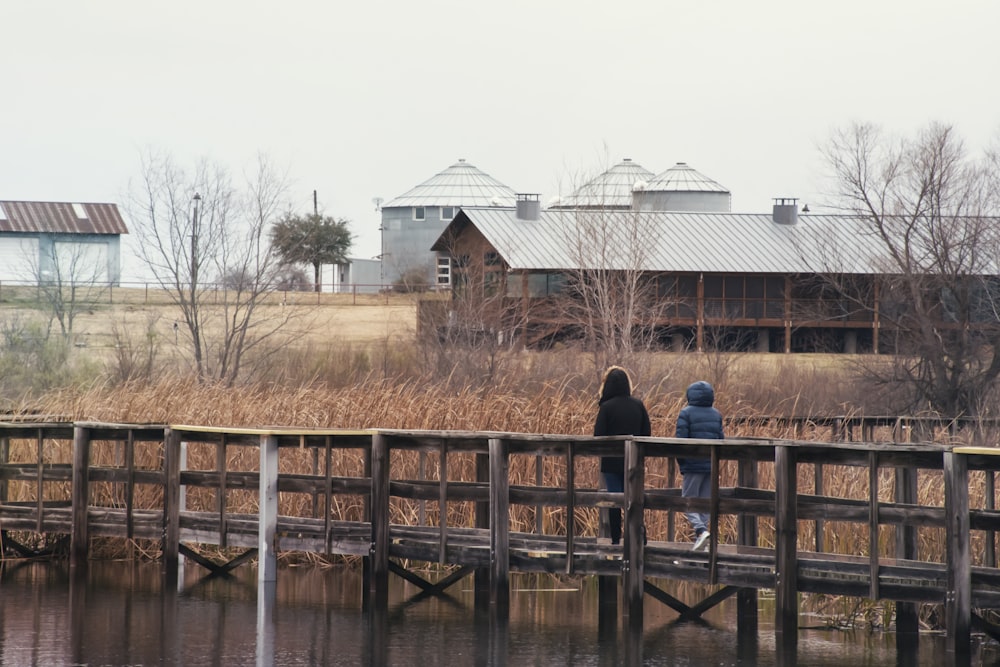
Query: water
x,y
121,613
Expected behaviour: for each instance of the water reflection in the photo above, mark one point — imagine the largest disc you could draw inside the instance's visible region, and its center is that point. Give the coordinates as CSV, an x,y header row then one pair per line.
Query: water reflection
x,y
129,614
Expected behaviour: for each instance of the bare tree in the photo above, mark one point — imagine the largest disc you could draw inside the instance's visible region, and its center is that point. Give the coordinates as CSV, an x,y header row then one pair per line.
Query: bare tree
x,y
611,297
200,230
931,209
69,278
477,329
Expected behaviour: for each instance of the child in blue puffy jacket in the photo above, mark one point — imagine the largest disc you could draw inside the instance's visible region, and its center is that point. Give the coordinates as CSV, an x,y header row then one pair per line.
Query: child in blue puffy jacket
x,y
698,419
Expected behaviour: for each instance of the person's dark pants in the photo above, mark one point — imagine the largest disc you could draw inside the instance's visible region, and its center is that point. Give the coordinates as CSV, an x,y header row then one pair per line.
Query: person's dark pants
x,y
614,482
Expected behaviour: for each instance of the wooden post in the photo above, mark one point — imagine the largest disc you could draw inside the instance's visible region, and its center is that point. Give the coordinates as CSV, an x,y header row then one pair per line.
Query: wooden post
x,y
635,504
379,579
746,535
713,535
171,500
80,495
267,517
481,577
873,545
671,483
40,479
499,526
443,503
907,618
220,494
786,613
4,459
130,484
958,600
990,555
819,525
570,505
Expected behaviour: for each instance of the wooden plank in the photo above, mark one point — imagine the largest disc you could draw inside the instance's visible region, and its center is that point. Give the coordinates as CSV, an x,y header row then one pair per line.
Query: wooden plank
x,y
220,493
990,556
79,540
499,526
958,601
819,525
4,460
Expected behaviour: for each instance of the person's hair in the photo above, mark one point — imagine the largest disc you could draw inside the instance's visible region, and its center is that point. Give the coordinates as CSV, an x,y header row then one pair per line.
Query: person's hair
x,y
619,372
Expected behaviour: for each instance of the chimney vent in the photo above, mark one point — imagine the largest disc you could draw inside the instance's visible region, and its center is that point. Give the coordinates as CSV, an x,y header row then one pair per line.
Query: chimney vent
x,y
528,207
786,210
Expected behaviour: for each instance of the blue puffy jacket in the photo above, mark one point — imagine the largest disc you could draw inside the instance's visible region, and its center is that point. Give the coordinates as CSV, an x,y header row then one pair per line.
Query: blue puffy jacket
x,y
698,419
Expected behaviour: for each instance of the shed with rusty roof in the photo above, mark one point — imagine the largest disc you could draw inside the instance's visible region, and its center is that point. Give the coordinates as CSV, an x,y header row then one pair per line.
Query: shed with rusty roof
x,y
61,242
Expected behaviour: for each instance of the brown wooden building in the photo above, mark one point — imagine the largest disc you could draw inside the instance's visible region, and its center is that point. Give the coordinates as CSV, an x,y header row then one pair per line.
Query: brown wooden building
x,y
781,282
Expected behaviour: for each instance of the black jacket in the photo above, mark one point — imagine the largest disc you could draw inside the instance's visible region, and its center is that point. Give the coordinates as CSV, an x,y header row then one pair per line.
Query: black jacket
x,y
620,413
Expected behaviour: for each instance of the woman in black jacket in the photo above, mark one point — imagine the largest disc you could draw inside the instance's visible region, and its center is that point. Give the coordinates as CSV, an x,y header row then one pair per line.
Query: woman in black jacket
x,y
620,413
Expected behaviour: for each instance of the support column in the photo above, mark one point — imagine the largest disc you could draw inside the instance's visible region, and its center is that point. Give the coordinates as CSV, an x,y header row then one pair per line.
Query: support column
x,y
958,600
172,462
633,580
81,496
786,613
746,535
378,582
499,526
907,618
267,518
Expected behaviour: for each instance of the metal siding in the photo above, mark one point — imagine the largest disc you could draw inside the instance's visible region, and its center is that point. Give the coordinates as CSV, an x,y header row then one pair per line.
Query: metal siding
x,y
15,258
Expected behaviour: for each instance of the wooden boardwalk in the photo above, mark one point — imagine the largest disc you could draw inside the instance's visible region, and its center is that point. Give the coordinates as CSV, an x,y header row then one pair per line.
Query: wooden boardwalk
x,y
360,493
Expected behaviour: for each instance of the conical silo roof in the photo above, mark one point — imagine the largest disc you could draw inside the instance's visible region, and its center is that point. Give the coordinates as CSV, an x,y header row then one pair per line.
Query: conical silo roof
x,y
461,184
682,178
612,189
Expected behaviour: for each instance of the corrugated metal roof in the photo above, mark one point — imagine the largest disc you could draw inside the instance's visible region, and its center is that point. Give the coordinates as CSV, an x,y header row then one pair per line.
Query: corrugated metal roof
x,y
461,184
611,189
60,218
677,242
682,178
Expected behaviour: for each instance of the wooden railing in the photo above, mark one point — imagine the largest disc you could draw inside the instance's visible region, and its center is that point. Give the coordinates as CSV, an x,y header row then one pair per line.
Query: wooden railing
x,y
352,493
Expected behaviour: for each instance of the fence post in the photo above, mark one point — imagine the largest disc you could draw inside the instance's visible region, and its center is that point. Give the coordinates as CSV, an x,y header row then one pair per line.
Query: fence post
x,y
746,598
786,613
635,505
378,585
499,525
958,599
80,495
171,499
267,520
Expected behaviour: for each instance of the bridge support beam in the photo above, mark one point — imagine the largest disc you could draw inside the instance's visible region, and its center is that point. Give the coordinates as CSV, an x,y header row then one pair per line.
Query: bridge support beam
x,y
633,576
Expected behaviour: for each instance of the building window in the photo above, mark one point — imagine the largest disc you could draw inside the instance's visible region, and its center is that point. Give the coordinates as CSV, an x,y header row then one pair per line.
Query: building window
x,y
444,271
491,258
418,213
447,212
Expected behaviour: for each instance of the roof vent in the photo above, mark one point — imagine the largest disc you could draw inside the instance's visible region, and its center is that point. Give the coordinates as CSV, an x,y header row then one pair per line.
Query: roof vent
x,y
786,210
528,207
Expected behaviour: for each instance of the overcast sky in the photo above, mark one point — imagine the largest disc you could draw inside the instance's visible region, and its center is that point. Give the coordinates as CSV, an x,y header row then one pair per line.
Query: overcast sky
x,y
369,98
